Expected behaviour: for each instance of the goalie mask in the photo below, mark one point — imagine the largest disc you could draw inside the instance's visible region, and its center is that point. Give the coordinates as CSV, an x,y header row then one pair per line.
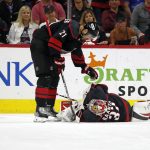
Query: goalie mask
x,y
97,106
90,32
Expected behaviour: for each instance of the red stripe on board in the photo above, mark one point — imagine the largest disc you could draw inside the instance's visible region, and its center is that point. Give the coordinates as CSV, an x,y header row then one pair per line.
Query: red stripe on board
x,y
15,45
85,46
118,46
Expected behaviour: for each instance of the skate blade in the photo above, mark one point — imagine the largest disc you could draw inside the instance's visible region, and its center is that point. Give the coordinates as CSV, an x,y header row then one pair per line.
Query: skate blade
x,y
40,119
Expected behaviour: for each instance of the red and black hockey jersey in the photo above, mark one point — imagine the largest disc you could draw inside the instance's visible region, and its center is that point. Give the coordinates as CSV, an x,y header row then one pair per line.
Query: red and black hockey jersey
x,y
101,106
62,37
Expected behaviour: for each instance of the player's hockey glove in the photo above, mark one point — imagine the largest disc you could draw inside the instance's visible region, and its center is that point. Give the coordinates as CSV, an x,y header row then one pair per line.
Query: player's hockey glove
x,y
90,71
60,63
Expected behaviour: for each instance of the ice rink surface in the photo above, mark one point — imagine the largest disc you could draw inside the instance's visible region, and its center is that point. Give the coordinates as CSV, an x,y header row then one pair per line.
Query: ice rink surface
x,y
19,132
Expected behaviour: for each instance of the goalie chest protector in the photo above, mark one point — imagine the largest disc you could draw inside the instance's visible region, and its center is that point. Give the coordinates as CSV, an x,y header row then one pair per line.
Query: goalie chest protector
x,y
101,106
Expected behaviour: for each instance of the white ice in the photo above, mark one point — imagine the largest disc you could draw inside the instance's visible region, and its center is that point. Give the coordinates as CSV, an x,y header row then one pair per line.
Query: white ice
x,y
19,132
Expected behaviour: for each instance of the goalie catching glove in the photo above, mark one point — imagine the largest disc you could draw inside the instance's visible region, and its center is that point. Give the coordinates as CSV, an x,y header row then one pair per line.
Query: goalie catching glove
x,y
60,63
90,71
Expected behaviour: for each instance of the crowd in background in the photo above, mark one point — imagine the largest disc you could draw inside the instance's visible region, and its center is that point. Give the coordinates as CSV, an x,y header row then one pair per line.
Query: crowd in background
x,y
121,22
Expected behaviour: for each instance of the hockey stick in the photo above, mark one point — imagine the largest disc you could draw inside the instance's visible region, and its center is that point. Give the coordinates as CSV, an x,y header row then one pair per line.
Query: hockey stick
x,y
71,99
65,85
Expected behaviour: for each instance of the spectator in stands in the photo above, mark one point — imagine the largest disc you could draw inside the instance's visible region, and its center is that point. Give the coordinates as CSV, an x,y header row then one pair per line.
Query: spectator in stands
x,y
100,5
79,6
147,36
109,16
50,14
126,6
87,17
35,2
3,30
9,11
27,2
63,3
38,11
21,31
121,34
133,3
140,18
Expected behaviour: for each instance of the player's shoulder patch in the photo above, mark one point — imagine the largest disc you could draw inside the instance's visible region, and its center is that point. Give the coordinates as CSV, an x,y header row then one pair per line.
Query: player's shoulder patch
x,y
74,28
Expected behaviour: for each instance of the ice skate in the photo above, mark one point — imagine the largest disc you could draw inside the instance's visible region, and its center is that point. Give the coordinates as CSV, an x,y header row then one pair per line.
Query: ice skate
x,y
51,113
44,114
40,114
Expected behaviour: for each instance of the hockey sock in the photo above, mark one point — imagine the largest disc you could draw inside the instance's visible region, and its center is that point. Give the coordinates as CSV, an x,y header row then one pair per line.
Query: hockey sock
x,y
45,96
40,102
51,100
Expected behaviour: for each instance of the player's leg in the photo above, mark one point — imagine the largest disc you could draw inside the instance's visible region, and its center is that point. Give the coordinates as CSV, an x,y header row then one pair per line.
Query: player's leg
x,y
45,97
47,82
46,88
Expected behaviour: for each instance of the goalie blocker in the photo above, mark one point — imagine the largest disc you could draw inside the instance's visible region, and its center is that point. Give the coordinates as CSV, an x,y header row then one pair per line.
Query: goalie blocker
x,y
101,106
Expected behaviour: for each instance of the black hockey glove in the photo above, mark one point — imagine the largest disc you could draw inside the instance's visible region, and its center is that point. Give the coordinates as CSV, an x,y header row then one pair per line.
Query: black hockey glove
x,y
90,71
60,63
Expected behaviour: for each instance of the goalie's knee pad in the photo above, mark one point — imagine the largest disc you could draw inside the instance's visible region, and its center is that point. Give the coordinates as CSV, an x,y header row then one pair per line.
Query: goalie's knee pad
x,y
141,111
48,81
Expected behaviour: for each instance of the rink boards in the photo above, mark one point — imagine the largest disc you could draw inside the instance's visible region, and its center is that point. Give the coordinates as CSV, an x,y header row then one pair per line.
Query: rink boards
x,y
126,71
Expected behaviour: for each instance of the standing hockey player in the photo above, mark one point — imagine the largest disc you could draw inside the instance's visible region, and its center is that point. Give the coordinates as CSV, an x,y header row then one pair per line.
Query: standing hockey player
x,y
48,43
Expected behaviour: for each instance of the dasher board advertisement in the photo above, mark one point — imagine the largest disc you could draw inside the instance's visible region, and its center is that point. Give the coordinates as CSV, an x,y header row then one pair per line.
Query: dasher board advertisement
x,y
125,71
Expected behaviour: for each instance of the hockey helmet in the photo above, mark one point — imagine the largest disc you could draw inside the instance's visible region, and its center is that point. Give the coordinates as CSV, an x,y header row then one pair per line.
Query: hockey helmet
x,y
90,31
97,106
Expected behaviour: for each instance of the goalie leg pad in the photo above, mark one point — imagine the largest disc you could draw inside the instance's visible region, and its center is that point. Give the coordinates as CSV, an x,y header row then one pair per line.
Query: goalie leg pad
x,y
141,111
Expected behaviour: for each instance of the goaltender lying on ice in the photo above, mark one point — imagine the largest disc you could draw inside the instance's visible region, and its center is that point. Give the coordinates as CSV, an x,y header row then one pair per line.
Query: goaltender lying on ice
x,y
101,106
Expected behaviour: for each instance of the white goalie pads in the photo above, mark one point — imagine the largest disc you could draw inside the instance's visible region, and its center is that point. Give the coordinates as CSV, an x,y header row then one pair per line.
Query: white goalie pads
x,y
69,113
66,115
141,111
